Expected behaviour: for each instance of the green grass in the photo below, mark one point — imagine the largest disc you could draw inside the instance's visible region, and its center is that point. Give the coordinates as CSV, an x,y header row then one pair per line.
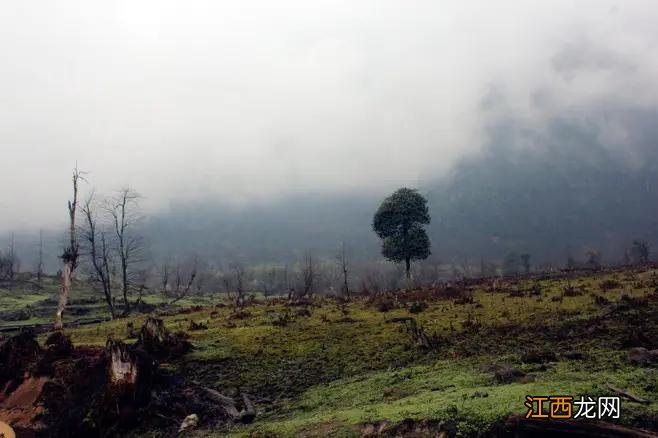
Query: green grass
x,y
455,390
333,369
85,302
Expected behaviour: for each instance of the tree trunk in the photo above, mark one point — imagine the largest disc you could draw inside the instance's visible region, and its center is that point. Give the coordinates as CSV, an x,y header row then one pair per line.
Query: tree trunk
x,y
123,366
407,262
67,272
124,274
40,265
104,273
245,415
70,256
108,299
130,377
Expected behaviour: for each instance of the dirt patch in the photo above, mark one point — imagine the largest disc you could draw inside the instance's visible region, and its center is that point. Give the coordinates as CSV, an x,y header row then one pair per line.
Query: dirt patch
x,y
21,408
26,394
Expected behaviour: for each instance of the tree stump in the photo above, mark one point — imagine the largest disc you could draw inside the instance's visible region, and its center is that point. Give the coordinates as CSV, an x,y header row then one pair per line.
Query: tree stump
x,y
123,370
156,340
131,372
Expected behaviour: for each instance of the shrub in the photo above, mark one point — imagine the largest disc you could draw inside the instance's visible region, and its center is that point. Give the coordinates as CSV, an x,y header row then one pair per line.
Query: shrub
x,y
385,305
417,307
610,284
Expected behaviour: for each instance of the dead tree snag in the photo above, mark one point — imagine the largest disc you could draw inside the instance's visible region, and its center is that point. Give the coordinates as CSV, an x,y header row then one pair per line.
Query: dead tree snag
x,y
70,255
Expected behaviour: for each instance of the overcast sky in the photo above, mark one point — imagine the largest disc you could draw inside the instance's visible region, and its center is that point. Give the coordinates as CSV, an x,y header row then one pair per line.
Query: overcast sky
x,y
242,100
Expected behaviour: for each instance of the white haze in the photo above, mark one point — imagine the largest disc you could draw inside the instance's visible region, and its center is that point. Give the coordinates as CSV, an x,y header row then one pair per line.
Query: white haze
x,y
241,100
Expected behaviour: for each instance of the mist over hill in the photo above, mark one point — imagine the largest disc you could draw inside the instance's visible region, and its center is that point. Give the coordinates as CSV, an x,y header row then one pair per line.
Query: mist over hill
x,y
273,232
563,189
566,193
571,195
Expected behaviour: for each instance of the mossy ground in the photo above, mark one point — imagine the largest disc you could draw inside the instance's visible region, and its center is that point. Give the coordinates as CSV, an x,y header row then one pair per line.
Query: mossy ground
x,y
329,368
36,302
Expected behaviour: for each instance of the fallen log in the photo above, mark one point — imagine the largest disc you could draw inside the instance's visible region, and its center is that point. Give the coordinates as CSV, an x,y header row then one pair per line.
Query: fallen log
x,y
249,412
46,327
227,403
229,406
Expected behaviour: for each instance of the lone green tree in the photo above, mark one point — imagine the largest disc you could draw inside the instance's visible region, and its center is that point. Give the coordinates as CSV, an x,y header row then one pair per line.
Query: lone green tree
x,y
399,223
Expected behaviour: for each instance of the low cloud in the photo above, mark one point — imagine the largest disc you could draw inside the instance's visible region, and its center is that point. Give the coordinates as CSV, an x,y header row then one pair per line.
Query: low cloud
x,y
242,101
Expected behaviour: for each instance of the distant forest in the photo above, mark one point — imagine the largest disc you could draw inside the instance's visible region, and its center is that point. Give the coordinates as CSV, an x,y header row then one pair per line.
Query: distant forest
x,y
569,196
554,195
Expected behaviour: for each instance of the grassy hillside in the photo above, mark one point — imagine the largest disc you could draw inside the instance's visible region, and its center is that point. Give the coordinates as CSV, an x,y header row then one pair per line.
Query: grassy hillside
x,y
29,303
325,367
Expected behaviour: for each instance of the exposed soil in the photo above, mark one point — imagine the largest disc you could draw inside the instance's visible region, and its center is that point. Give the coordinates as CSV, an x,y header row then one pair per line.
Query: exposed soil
x,y
61,390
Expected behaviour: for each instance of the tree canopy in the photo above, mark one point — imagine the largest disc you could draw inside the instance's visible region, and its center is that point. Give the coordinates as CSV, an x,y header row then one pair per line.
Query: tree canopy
x,y
399,223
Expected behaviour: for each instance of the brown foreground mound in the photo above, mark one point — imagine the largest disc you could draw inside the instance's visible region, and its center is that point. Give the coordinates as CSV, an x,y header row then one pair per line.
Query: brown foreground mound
x,y
61,390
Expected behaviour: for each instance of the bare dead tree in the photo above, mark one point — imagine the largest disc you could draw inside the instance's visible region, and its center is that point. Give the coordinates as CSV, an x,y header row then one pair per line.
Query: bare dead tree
x,y
344,268
105,260
191,278
12,258
178,279
70,255
9,263
309,277
165,277
183,288
238,295
139,280
525,262
268,282
98,252
201,281
226,281
123,209
5,266
286,282
40,259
